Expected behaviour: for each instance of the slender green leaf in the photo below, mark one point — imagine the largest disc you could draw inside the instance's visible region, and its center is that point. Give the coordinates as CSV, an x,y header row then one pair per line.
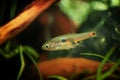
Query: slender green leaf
x,y
58,77
22,63
13,8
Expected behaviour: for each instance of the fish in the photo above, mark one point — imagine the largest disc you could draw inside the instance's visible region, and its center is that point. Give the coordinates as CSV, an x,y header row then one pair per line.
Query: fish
x,y
67,41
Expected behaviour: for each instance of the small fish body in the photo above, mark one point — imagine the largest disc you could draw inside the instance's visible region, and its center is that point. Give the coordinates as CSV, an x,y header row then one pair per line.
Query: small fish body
x,y
66,41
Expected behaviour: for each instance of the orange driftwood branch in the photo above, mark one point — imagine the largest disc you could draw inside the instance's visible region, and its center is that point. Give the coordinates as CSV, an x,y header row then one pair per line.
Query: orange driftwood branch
x,y
69,66
22,21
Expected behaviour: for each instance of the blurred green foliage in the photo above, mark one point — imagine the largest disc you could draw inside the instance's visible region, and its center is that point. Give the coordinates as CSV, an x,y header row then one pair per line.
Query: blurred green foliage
x,y
78,10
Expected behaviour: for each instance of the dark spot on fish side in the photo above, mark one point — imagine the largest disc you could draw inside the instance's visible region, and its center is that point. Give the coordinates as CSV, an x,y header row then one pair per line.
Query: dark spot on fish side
x,y
78,41
63,40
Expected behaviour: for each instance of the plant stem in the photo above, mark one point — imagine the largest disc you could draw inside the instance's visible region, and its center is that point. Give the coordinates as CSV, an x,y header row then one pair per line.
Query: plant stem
x,y
99,77
22,63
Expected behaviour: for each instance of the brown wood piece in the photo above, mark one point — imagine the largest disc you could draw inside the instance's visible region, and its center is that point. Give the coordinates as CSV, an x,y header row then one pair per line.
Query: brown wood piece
x,y
22,21
69,66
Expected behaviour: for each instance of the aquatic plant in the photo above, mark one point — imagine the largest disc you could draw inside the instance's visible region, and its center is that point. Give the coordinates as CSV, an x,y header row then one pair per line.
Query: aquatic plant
x,y
12,50
100,75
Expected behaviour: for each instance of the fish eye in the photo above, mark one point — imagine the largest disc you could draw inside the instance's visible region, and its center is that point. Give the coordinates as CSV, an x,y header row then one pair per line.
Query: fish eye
x,y
63,40
47,46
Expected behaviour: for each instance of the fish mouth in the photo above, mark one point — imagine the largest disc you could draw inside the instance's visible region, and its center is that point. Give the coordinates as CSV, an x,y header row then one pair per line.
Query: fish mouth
x,y
43,47
92,34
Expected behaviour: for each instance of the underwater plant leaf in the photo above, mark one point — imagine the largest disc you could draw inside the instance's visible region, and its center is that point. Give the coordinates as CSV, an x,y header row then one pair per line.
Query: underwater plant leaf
x,y
58,77
96,55
76,10
99,5
8,52
9,55
113,68
115,2
31,51
115,65
22,63
7,47
34,62
13,8
99,77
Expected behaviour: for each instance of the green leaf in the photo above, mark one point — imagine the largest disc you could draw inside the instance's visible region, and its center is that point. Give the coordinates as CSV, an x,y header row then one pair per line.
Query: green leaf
x,y
31,51
99,72
58,77
13,8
